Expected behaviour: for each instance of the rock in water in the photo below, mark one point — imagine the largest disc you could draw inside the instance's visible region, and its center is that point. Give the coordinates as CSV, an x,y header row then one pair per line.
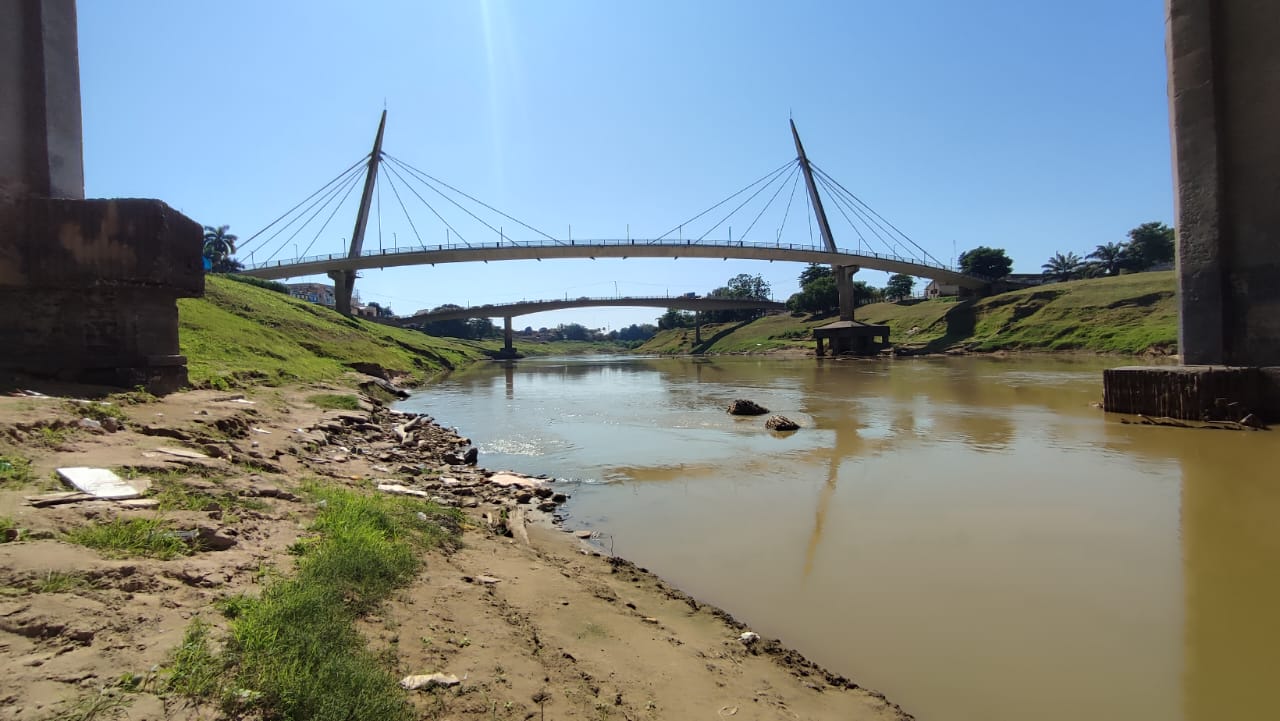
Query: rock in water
x,y
744,407
781,423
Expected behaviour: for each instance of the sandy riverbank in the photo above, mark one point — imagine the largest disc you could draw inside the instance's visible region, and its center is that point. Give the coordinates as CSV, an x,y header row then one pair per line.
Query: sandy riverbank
x,y
531,619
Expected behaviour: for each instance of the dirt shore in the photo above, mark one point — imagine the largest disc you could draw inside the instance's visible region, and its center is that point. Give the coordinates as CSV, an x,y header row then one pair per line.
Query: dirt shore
x,y
534,621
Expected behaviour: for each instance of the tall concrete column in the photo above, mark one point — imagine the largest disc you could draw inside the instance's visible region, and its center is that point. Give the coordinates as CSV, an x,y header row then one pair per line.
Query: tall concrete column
x,y
508,348
844,286
1224,110
40,140
88,288
1224,100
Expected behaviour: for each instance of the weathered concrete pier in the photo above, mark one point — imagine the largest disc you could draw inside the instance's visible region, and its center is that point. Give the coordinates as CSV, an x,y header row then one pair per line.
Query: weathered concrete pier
x,y
1224,69
88,288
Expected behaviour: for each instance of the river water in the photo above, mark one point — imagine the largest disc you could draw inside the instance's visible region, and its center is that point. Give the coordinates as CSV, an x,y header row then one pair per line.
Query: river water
x,y
967,535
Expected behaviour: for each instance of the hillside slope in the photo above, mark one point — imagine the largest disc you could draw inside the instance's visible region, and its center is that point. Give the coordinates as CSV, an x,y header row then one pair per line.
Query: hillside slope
x,y
1131,314
240,333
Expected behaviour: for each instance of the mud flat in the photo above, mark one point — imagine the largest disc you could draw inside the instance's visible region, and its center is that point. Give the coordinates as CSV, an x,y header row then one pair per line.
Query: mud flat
x,y
532,621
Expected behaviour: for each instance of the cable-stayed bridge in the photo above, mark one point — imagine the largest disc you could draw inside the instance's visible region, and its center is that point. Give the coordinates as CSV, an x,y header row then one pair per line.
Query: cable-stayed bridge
x,y
473,230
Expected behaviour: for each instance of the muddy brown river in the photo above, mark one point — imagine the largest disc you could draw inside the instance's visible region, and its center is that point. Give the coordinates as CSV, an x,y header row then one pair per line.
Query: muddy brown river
x,y
967,535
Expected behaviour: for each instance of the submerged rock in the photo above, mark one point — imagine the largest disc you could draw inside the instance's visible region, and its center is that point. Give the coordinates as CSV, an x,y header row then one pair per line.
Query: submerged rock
x,y
744,407
781,423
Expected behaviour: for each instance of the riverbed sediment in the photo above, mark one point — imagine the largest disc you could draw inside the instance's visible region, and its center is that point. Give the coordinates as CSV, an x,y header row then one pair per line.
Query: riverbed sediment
x,y
531,619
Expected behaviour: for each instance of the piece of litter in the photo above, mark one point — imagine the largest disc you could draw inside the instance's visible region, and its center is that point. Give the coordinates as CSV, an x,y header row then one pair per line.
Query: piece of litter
x,y
402,490
99,482
649,619
181,452
429,680
489,580
260,430
749,637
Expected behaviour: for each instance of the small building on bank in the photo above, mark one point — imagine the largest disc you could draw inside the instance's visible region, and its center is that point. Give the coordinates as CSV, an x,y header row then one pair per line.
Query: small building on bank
x,y
320,293
851,337
941,290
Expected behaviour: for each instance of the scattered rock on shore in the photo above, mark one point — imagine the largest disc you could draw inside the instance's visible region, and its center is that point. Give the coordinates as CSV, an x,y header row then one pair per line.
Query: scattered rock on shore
x,y
744,407
781,423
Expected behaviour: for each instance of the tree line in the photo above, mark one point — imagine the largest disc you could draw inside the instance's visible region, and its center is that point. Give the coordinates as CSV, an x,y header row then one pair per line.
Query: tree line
x,y
1149,244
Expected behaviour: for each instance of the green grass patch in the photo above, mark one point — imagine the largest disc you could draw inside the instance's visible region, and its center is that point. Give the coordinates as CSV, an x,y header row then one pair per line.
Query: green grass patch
x,y
59,582
174,494
1128,314
123,538
335,401
15,470
294,653
239,334
8,528
96,411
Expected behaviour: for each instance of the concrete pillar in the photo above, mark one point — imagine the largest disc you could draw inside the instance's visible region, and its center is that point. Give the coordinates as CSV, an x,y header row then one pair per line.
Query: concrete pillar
x,y
40,140
507,347
697,327
844,286
1224,71
88,288
343,287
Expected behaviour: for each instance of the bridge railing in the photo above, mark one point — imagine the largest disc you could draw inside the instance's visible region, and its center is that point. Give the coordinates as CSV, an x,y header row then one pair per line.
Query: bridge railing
x,y
603,299
666,242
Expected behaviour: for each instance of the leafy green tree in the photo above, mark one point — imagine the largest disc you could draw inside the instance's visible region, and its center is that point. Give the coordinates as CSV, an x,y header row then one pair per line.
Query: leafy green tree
x,y
754,287
674,318
814,271
574,331
1110,256
817,296
899,287
1151,244
1062,267
219,246
987,262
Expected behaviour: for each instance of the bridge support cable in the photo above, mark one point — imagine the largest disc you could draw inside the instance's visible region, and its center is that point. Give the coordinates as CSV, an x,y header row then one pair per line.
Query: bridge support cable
x,y
325,191
408,217
334,212
845,207
862,240
424,177
750,198
766,177
315,209
925,255
787,213
795,171
435,190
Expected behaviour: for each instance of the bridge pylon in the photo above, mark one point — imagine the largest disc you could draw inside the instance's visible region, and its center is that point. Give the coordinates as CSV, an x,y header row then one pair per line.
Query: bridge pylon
x,y
843,273
344,281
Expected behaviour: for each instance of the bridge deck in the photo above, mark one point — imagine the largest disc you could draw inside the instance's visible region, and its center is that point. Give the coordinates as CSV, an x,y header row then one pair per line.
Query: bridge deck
x,y
513,310
630,248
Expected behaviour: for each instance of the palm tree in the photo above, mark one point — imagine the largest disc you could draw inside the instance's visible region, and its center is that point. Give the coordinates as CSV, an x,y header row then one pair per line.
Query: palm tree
x,y
219,246
1062,267
1111,256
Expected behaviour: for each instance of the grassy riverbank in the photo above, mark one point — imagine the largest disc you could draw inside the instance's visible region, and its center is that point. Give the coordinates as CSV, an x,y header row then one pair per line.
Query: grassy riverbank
x,y
238,333
1130,314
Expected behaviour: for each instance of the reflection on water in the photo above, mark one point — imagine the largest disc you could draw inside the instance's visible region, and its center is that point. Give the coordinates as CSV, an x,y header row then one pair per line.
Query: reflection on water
x,y
969,536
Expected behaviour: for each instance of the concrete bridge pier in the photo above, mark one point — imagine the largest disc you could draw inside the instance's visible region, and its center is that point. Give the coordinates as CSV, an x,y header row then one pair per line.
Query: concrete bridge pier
x,y
844,286
344,283
508,347
88,288
1224,68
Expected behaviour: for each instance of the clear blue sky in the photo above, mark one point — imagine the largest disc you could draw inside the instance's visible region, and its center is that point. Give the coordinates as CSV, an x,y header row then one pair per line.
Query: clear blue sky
x,y
1034,126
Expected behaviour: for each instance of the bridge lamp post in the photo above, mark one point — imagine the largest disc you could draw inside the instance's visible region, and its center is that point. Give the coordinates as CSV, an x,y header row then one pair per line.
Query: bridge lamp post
x,y
615,290
295,251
